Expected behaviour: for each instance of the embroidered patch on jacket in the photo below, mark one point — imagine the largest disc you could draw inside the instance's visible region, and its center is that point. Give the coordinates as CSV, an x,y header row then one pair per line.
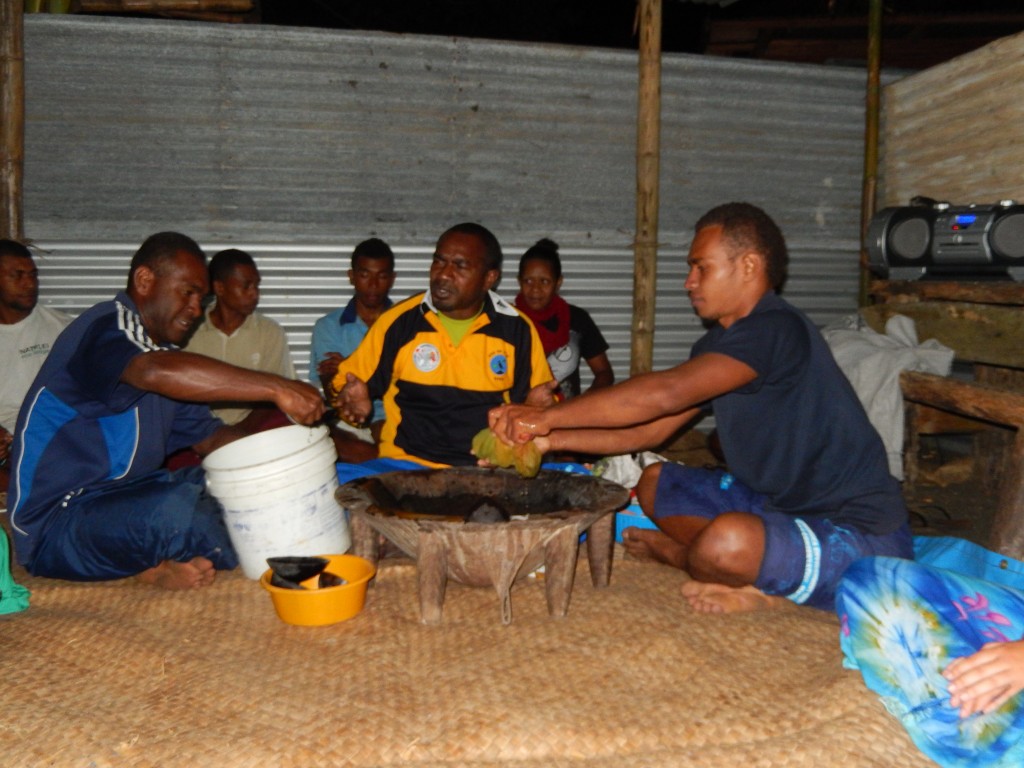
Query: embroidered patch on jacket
x,y
499,364
426,357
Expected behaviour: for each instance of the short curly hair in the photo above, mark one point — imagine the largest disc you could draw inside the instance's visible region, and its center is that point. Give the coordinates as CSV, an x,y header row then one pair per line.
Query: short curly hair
x,y
748,228
160,250
14,248
374,248
224,263
492,250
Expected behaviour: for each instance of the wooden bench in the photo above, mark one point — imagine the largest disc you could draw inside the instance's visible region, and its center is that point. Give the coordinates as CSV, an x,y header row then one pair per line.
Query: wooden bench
x,y
983,323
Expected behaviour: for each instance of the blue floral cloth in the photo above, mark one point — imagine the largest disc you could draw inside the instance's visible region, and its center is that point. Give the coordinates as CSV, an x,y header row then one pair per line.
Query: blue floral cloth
x,y
902,623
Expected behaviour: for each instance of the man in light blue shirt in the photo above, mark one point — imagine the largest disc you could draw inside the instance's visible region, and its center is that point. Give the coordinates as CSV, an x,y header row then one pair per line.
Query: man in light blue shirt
x,y
337,334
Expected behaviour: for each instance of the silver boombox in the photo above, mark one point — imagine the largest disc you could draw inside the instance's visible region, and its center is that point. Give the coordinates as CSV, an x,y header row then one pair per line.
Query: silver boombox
x,y
939,241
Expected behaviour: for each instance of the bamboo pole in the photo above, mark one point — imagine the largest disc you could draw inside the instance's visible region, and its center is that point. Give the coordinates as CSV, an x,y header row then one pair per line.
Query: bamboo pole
x,y
869,190
645,244
12,118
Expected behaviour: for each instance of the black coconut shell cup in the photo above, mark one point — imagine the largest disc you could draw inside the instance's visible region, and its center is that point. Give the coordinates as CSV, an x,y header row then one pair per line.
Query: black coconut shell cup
x,y
289,572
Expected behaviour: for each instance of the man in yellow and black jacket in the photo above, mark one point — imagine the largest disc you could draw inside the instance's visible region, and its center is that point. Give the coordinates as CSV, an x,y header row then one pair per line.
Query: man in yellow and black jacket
x,y
441,359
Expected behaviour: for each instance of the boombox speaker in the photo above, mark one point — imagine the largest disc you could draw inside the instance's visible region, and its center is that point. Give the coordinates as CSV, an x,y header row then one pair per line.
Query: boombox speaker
x,y
939,241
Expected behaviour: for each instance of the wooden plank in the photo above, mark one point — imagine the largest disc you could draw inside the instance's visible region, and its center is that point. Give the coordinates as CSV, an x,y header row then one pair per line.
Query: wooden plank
x,y
1008,526
987,292
968,398
935,421
1007,535
965,107
975,332
988,403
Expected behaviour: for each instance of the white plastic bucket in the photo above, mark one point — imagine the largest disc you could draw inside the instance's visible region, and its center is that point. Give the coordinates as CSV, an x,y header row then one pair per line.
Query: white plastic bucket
x,y
277,490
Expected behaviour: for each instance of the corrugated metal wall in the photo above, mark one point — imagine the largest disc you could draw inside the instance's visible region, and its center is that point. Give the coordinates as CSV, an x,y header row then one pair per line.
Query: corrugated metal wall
x,y
296,144
955,132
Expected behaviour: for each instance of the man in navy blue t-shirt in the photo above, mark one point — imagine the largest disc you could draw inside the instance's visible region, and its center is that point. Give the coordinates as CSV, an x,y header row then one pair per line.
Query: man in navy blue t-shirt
x,y
89,499
807,489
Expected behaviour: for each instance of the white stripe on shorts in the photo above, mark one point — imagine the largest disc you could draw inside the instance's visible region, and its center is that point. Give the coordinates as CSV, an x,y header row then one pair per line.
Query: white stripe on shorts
x,y
812,563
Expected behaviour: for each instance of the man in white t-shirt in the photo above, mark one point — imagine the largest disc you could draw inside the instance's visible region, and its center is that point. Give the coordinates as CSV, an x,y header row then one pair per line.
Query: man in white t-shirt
x,y
234,332
27,330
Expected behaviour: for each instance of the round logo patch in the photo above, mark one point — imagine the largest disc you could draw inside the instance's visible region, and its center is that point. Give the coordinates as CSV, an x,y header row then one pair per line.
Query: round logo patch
x,y
426,357
499,364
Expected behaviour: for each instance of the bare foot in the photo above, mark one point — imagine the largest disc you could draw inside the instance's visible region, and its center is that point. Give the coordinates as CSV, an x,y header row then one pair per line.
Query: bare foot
x,y
651,544
197,572
705,597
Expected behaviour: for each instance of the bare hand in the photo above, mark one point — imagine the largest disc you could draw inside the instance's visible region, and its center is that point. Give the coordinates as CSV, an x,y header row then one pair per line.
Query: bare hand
x,y
491,453
517,423
353,402
327,370
543,395
300,401
985,680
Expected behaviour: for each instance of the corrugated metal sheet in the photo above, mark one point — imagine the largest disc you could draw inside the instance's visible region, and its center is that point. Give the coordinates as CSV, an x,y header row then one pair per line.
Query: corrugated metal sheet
x,y
296,144
301,283
955,132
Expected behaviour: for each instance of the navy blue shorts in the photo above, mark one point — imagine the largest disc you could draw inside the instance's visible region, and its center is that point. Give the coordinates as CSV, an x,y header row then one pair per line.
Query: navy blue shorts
x,y
129,527
804,558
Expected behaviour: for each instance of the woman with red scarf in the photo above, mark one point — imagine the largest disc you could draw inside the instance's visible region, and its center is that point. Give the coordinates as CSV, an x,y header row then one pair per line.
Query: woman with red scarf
x,y
567,332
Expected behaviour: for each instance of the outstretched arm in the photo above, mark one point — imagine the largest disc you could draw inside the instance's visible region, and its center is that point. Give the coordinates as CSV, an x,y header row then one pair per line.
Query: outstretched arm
x,y
985,680
200,379
635,403
608,442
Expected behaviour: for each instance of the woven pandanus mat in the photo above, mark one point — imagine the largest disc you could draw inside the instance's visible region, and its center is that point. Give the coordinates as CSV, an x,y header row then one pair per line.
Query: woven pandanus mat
x,y
120,673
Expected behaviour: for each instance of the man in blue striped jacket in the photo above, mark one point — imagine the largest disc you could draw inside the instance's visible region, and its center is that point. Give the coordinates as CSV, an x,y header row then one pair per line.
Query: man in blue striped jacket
x,y
89,497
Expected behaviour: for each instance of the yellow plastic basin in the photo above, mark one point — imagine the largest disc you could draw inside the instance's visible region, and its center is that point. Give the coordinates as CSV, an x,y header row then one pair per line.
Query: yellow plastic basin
x,y
314,607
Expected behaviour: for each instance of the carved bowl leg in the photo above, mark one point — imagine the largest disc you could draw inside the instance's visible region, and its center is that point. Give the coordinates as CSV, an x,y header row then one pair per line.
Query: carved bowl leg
x,y
432,571
560,553
600,543
365,540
